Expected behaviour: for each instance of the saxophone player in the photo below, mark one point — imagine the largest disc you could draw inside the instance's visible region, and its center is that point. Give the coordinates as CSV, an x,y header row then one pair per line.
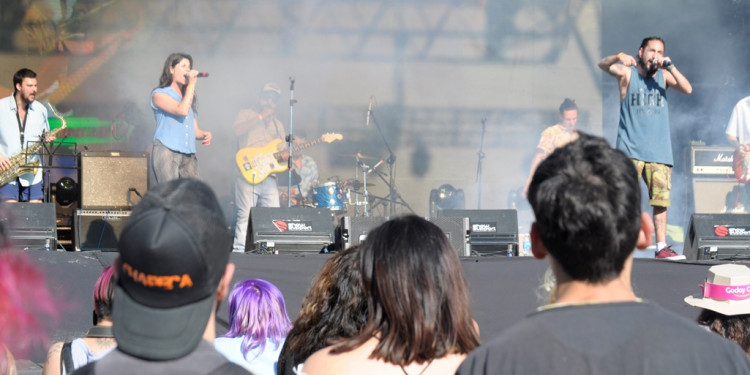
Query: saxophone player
x,y
23,121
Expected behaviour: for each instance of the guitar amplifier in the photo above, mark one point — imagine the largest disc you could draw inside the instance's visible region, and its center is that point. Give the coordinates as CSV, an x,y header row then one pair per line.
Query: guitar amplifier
x,y
98,229
712,160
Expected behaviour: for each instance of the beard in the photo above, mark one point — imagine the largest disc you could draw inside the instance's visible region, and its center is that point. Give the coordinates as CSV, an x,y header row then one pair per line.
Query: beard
x,y
648,70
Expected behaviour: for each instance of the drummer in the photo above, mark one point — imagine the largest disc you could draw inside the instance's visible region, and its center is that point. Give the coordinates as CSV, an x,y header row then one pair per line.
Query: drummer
x,y
304,176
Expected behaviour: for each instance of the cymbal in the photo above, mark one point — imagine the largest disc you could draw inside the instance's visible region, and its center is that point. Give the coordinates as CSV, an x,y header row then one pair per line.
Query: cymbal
x,y
359,155
356,184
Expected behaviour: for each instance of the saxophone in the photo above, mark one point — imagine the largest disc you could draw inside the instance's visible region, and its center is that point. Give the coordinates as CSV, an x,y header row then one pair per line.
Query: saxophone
x,y
19,163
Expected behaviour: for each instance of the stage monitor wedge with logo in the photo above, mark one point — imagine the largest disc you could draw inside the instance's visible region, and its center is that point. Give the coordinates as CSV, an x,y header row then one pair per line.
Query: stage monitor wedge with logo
x,y
292,229
718,237
492,232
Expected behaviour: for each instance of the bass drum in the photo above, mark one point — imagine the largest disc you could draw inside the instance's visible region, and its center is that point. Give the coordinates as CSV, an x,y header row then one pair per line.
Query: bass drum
x,y
331,196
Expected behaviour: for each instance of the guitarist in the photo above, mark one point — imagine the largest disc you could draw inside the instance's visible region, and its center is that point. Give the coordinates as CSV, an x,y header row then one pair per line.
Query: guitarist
x,y
738,135
23,121
256,127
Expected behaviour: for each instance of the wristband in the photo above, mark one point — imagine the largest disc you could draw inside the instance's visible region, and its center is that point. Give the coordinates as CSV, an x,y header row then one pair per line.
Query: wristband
x,y
190,87
670,67
619,55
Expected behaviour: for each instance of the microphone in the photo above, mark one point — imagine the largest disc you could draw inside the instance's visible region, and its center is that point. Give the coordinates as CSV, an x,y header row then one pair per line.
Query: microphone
x,y
200,75
369,108
376,166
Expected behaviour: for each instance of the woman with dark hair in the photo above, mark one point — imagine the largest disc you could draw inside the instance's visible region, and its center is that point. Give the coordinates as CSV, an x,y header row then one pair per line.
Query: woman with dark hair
x,y
173,103
334,309
258,324
63,358
418,306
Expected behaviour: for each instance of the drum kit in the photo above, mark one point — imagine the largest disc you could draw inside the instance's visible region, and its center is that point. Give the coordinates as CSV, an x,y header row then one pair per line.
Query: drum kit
x,y
339,195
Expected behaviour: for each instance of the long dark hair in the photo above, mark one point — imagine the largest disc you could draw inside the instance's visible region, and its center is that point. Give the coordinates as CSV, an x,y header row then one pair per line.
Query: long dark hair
x,y
334,309
166,76
418,301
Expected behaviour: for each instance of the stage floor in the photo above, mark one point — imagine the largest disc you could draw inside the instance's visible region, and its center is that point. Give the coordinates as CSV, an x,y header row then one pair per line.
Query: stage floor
x,y
503,289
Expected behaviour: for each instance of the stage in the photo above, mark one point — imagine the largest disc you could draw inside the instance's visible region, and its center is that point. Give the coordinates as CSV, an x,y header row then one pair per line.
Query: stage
x,y
503,289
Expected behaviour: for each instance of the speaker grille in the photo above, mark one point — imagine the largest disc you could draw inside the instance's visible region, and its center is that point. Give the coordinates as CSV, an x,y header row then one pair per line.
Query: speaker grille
x,y
110,180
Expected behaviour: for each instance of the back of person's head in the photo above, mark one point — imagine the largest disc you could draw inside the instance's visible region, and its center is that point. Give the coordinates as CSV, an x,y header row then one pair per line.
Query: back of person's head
x,y
334,309
174,251
417,297
104,289
732,327
257,311
586,201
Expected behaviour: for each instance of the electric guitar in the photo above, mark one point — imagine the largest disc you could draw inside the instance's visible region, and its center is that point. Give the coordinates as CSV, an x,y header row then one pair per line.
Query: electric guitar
x,y
741,166
257,163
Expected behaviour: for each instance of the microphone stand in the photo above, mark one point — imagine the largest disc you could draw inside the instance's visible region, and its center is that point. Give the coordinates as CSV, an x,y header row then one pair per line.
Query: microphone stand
x,y
480,156
290,140
393,196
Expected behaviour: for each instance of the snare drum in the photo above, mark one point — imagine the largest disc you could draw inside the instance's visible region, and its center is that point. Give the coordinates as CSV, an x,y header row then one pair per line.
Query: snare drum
x,y
330,195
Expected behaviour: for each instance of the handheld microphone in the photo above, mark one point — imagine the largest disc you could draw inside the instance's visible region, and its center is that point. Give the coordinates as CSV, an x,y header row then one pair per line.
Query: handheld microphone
x,y
369,108
200,75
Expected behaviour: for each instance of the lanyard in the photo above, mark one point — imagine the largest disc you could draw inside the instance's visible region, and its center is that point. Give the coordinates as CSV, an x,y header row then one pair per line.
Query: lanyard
x,y
22,127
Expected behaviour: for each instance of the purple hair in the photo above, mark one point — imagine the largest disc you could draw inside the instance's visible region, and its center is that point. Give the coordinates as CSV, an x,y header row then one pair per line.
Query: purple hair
x,y
257,311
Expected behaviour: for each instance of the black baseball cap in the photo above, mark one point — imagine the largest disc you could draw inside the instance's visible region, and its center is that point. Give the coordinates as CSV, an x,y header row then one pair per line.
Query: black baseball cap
x,y
174,250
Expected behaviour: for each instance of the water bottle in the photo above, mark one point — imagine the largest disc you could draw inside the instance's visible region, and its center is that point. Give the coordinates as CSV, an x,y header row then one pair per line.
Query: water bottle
x,y
526,245
46,244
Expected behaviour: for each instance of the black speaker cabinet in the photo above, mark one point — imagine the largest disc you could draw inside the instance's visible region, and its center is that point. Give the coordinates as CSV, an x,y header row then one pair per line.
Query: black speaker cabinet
x,y
353,229
294,229
718,236
457,229
31,226
112,180
717,195
98,229
493,232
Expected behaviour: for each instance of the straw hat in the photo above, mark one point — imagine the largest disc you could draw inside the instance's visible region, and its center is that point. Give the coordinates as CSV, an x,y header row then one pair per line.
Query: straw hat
x,y
726,291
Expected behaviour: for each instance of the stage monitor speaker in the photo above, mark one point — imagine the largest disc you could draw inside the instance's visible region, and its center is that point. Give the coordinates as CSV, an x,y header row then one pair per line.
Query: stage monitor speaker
x,y
718,236
492,232
457,229
353,229
293,229
717,195
98,229
31,226
112,180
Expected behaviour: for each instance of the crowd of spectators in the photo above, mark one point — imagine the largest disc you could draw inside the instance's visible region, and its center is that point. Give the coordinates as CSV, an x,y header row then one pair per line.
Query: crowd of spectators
x,y
398,303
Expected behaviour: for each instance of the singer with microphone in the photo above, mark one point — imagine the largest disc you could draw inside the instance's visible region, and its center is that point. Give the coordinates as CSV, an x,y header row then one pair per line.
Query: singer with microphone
x,y
643,132
174,106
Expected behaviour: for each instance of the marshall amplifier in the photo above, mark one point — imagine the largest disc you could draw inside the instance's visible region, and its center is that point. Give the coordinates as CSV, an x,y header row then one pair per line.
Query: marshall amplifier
x,y
718,236
299,229
492,232
712,160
